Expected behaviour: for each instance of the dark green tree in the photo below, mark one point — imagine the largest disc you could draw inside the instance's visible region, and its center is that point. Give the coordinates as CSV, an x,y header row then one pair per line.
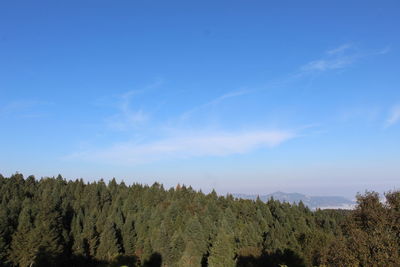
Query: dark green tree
x,y
109,248
25,244
48,230
129,235
222,252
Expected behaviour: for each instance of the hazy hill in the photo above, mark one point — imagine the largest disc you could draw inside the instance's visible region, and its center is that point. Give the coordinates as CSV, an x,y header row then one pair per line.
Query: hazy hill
x,y
313,202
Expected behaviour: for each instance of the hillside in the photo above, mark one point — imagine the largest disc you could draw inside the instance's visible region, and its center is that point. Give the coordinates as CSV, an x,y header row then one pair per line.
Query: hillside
x,y
55,222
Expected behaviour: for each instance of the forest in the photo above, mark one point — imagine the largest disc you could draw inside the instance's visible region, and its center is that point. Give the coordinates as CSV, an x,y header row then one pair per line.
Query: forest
x,y
58,222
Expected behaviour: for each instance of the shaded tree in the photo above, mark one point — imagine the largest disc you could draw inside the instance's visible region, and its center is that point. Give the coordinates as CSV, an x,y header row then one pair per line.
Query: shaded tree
x,y
109,247
222,252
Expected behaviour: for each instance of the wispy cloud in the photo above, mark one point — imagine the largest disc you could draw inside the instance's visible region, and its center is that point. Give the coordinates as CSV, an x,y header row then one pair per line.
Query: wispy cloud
x,y
187,145
127,115
339,58
384,50
127,119
228,95
327,64
336,58
185,115
24,108
368,113
394,116
340,49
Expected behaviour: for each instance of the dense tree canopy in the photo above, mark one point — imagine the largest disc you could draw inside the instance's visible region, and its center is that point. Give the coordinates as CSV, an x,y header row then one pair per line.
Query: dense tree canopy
x,y
55,222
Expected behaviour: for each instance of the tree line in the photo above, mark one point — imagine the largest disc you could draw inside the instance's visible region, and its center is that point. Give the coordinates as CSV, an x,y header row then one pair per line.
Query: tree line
x,y
55,222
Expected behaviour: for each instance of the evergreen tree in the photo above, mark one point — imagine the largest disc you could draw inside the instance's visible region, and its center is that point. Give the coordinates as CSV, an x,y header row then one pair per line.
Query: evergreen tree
x,y
222,252
49,230
129,235
90,236
195,243
53,222
79,246
4,234
177,245
109,247
25,244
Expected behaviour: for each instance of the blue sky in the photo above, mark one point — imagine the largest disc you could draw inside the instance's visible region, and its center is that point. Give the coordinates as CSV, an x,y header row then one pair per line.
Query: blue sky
x,y
240,96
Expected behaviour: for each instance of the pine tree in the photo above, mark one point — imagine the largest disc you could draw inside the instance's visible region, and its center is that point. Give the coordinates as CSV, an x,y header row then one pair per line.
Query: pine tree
x,y
49,230
25,245
190,256
109,247
222,252
177,246
52,222
4,233
90,236
79,246
129,235
195,243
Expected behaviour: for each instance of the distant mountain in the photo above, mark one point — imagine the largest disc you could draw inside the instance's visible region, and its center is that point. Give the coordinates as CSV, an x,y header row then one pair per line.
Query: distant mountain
x,y
313,202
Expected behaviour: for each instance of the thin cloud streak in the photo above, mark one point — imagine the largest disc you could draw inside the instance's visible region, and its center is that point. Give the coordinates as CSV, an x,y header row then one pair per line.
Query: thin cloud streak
x,y
185,115
229,95
339,58
394,116
384,50
324,64
216,144
339,49
127,117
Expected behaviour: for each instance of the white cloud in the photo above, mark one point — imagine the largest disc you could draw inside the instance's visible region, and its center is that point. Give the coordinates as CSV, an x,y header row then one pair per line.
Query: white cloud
x,y
336,58
229,95
327,64
187,114
127,119
394,116
339,49
187,145
128,113
126,116
339,58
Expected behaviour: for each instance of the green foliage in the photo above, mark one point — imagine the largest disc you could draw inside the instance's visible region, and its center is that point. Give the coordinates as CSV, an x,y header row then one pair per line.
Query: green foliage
x,y
129,235
222,252
109,247
52,222
24,244
4,234
370,234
